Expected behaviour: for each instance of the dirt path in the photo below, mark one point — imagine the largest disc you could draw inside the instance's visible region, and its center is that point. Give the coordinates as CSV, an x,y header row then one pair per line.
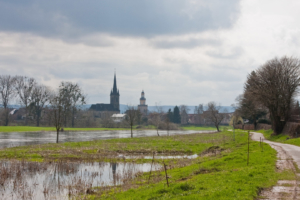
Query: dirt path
x,y
287,154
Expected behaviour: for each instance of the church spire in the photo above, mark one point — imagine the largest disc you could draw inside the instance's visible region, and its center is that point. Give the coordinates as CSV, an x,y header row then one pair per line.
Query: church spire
x,y
115,84
115,91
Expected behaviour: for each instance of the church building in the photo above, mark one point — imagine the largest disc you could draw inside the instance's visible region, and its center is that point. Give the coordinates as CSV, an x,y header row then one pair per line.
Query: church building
x,y
143,108
113,107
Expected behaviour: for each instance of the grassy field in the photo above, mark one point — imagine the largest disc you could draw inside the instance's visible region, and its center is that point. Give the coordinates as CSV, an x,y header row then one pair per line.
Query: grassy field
x,y
7,129
221,176
176,144
280,138
220,172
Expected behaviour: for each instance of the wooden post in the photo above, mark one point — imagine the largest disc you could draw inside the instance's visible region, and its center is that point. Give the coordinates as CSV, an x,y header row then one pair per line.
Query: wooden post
x,y
151,167
260,142
248,147
166,174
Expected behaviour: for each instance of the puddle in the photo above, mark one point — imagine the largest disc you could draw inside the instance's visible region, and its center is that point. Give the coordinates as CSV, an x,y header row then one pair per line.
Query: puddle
x,y
29,138
31,180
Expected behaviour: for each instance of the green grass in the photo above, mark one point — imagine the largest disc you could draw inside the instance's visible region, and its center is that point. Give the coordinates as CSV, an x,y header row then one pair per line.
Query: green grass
x,y
200,128
7,129
280,138
225,176
35,129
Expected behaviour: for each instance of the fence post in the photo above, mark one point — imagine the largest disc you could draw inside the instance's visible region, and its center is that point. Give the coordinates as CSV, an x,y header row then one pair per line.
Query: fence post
x,y
151,167
248,147
260,142
166,174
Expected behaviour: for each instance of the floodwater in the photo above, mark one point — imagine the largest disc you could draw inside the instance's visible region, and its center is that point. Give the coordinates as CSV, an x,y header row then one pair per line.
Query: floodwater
x,y
65,180
161,157
29,138
61,180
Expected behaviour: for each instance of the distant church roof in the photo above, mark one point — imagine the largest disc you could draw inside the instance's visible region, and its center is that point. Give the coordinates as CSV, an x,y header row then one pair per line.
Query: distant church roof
x,y
103,107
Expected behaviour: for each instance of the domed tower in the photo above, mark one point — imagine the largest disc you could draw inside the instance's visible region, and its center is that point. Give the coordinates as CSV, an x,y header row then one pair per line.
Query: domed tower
x,y
143,108
143,99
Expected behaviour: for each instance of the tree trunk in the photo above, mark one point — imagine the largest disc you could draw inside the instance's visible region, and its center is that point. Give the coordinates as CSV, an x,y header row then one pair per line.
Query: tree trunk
x,y
73,118
38,119
157,132
278,125
57,132
131,131
6,113
26,115
65,120
217,128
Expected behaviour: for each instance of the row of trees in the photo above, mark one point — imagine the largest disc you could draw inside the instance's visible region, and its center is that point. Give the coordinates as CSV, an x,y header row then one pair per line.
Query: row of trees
x,y
212,115
271,90
62,104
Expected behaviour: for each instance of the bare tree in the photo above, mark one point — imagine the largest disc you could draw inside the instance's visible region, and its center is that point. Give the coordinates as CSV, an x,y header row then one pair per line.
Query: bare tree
x,y
77,99
275,85
184,114
65,89
39,97
167,121
213,114
131,118
57,110
156,117
73,99
106,119
24,87
7,93
198,111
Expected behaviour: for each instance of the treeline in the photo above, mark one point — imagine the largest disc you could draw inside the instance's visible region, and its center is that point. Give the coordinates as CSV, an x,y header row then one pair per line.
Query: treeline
x,y
270,93
58,106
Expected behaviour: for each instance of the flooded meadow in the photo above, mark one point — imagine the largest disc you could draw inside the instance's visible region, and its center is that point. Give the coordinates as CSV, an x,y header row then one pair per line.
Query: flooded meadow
x,y
65,180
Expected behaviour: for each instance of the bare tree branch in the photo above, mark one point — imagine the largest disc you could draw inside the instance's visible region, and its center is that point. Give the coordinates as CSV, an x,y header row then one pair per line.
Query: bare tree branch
x,y
7,92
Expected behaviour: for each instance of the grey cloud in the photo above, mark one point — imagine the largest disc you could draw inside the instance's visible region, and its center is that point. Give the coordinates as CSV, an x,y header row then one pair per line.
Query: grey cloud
x,y
229,53
188,44
146,18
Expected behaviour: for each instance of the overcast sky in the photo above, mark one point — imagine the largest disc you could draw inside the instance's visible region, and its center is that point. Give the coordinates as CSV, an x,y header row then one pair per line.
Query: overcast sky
x,y
178,51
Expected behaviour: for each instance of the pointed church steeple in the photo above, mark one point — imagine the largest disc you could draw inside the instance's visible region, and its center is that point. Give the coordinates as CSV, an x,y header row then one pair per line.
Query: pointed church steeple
x,y
115,95
115,91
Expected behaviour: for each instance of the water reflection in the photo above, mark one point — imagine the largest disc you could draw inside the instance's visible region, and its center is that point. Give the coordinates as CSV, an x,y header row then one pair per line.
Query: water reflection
x,y
31,180
28,138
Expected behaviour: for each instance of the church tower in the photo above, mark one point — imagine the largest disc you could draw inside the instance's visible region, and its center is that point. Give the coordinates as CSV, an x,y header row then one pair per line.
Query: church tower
x,y
115,96
143,108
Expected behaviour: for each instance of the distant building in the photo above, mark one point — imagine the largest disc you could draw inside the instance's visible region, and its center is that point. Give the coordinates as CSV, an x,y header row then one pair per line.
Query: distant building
x,y
143,108
109,109
118,117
